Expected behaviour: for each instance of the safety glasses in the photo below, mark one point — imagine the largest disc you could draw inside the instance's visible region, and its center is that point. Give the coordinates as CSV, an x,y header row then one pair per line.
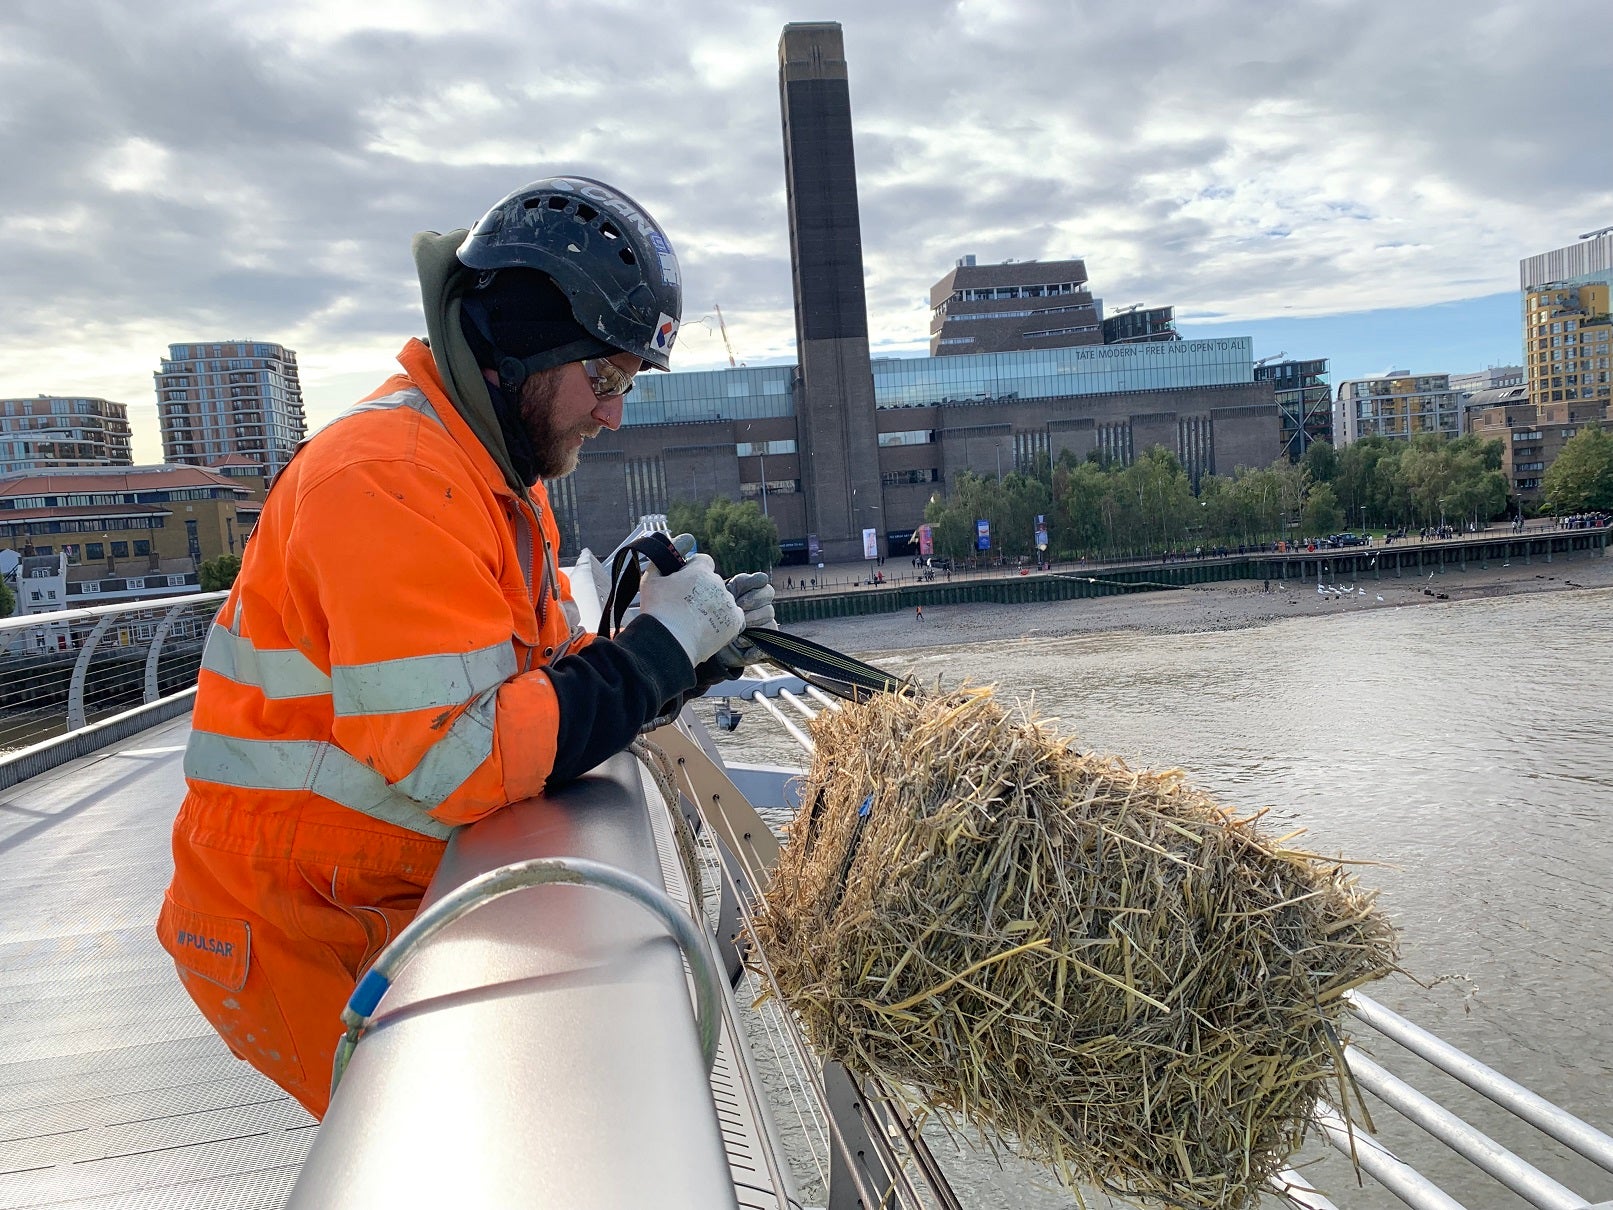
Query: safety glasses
x,y
607,378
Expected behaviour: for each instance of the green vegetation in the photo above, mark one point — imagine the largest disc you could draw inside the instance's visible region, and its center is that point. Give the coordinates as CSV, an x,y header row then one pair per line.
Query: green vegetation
x,y
8,600
1580,480
1094,509
217,575
737,535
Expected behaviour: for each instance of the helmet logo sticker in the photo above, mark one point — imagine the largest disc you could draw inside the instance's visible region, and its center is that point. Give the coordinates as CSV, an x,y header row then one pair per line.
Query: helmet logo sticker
x,y
666,331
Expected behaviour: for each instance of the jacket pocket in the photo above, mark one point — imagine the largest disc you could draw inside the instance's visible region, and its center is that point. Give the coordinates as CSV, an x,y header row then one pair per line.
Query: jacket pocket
x,y
355,912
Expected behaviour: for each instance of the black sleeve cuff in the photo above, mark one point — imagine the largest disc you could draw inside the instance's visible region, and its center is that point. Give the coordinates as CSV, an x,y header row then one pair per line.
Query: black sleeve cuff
x,y
610,689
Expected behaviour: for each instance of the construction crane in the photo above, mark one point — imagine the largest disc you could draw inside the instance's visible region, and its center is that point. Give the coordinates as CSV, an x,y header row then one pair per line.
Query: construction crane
x,y
1273,357
723,328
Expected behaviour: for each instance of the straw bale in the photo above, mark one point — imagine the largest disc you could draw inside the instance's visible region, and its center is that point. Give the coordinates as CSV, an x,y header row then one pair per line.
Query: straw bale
x,y
1101,967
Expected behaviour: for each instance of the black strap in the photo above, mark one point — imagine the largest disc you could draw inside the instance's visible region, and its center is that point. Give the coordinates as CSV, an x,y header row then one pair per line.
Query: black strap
x,y
823,666
625,575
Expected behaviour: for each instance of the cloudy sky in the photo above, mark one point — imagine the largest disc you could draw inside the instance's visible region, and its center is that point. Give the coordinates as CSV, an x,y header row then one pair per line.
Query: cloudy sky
x,y
1358,177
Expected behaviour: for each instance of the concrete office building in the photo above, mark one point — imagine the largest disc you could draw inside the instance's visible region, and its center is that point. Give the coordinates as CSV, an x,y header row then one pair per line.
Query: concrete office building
x,y
221,403
1399,405
1014,305
841,446
57,430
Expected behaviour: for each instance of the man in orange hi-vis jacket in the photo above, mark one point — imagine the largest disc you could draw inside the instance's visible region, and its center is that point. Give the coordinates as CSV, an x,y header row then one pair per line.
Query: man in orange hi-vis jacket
x,y
400,654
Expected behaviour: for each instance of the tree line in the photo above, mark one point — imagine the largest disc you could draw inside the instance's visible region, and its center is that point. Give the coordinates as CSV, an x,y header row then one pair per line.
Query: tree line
x,y
1101,509
1095,508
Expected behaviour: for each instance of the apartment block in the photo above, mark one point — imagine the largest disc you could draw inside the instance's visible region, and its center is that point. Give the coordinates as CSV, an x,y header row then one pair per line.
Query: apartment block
x,y
238,399
1533,434
58,430
1567,330
1399,405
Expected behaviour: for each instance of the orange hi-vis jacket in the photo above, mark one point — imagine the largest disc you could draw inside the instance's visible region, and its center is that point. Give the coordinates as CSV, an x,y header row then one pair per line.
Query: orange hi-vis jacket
x,y
378,675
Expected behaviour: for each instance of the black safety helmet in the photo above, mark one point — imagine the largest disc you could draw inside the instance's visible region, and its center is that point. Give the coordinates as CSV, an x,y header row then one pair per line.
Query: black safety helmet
x,y
610,258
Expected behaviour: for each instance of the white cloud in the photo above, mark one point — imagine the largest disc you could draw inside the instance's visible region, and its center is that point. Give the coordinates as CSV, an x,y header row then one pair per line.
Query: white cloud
x,y
252,169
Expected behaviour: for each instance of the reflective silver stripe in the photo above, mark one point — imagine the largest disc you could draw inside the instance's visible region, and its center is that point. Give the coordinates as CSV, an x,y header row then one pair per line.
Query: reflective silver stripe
x,y
278,673
420,682
295,765
408,397
462,750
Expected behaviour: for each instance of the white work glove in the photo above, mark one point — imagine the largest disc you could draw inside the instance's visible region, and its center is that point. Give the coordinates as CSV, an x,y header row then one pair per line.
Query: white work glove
x,y
753,593
694,604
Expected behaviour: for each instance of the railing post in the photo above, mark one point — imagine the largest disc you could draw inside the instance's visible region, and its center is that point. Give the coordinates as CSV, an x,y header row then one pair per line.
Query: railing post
x,y
81,669
157,639
851,1189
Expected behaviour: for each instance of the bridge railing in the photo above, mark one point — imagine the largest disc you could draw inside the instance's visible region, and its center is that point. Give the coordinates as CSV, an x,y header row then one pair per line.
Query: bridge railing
x,y
543,1048
71,672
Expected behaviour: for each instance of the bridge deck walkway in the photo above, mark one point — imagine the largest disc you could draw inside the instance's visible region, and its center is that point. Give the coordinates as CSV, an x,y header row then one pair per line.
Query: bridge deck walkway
x,y
113,1089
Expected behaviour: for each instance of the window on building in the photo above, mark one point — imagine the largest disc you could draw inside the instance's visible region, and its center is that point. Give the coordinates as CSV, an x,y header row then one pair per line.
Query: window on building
x,y
747,449
120,550
94,550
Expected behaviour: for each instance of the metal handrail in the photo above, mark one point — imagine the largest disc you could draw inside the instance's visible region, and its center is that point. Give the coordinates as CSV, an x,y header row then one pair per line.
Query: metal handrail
x,y
91,613
545,1041
54,687
1533,1108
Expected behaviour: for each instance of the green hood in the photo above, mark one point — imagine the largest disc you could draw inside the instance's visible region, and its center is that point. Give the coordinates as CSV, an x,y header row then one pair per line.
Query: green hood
x,y
442,282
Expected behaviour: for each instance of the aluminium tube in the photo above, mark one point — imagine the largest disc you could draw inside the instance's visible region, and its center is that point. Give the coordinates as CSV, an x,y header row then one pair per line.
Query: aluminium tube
x,y
1509,1094
1523,1178
540,1051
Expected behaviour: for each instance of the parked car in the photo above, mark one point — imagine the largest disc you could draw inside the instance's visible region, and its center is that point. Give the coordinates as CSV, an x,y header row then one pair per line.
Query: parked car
x,y
1347,540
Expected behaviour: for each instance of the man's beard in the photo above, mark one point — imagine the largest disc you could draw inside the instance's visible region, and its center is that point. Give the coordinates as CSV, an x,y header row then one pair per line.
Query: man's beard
x,y
554,452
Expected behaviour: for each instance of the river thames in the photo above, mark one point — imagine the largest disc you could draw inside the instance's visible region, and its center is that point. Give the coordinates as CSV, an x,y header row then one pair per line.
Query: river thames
x,y
1463,746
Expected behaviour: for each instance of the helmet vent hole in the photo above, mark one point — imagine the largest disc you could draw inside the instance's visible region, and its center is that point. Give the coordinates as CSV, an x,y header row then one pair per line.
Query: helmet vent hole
x,y
627,256
586,212
609,231
555,203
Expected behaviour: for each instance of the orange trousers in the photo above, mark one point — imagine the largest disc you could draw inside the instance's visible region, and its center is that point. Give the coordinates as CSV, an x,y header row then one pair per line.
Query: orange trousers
x,y
272,916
